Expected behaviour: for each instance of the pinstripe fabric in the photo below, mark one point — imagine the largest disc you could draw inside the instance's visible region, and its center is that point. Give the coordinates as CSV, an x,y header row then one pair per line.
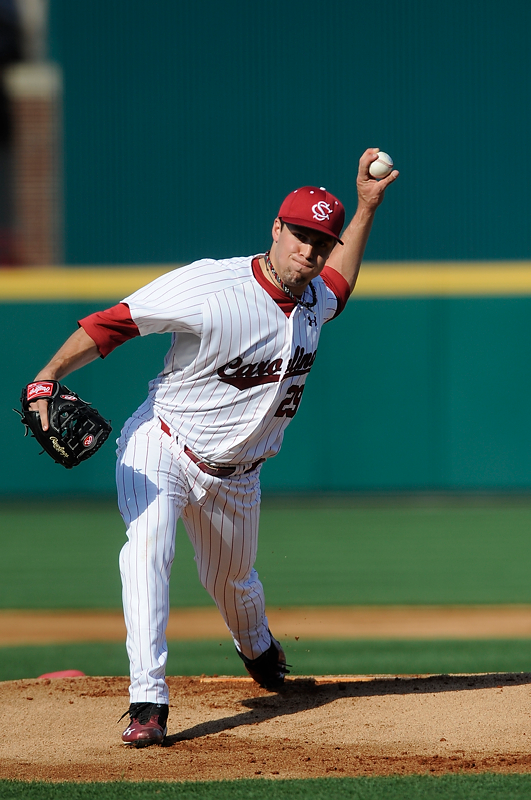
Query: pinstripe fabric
x,y
219,314
232,381
156,484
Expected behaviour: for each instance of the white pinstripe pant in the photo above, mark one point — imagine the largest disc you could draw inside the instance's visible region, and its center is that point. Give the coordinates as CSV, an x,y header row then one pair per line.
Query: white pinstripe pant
x,y
157,483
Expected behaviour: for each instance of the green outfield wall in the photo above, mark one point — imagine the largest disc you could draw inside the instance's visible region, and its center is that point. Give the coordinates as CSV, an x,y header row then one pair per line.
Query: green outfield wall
x,y
423,383
183,127
185,124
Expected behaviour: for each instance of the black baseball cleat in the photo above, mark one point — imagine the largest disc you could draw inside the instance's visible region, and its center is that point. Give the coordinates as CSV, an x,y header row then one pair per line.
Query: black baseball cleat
x,y
147,724
269,669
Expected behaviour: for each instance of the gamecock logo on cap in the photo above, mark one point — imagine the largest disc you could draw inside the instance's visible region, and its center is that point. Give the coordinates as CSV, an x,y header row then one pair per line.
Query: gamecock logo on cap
x,y
321,211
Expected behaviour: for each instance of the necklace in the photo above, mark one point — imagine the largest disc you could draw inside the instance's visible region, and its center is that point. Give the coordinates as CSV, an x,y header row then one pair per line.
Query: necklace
x,y
285,289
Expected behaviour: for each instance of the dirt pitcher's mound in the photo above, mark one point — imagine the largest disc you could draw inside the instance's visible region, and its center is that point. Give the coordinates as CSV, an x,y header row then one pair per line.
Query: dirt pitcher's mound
x,y
68,729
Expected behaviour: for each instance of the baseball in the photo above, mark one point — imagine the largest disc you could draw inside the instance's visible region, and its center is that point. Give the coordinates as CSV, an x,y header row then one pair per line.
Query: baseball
x,y
382,167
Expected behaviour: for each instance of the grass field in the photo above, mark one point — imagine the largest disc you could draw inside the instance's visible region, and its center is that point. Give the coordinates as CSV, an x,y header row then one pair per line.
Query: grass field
x,y
414,787
64,556
336,551
361,657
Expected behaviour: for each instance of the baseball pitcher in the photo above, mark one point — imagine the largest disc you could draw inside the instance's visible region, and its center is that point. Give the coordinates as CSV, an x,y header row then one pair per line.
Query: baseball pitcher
x,y
244,337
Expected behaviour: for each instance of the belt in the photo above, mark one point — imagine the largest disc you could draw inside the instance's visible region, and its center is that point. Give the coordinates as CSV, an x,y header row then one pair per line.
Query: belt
x,y
210,469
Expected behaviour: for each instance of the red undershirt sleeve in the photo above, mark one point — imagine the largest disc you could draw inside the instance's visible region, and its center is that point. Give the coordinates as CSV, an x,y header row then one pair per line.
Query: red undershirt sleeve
x,y
338,285
110,328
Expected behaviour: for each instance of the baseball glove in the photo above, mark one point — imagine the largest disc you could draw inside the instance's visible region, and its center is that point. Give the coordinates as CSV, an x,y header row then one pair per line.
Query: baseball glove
x,y
76,430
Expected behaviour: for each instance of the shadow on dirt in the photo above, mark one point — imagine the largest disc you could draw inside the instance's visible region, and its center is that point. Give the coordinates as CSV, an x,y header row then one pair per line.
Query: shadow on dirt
x,y
303,694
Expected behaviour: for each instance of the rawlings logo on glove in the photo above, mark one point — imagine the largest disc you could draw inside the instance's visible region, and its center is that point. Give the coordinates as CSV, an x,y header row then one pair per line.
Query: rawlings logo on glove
x,y
34,391
76,430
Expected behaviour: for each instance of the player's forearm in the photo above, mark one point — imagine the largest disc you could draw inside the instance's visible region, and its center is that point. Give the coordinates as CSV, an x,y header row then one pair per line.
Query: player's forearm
x,y
77,351
347,259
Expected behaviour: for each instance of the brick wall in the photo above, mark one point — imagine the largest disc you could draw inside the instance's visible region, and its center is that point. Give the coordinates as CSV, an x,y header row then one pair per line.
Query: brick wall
x,y
34,90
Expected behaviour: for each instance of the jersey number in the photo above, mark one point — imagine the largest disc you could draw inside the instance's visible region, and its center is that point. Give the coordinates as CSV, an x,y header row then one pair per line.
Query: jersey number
x,y
290,404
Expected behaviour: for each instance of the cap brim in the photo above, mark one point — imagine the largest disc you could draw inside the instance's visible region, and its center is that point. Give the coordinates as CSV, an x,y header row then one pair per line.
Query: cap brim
x,y
313,227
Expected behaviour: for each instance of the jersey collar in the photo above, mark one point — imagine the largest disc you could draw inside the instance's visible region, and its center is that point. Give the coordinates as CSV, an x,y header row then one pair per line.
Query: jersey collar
x,y
281,299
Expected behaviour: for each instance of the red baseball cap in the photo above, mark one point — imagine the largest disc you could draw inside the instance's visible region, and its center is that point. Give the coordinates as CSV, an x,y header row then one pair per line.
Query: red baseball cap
x,y
315,208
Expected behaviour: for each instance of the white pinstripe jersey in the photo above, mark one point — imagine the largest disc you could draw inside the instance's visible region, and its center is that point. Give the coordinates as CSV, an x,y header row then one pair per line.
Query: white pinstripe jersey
x,y
235,371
